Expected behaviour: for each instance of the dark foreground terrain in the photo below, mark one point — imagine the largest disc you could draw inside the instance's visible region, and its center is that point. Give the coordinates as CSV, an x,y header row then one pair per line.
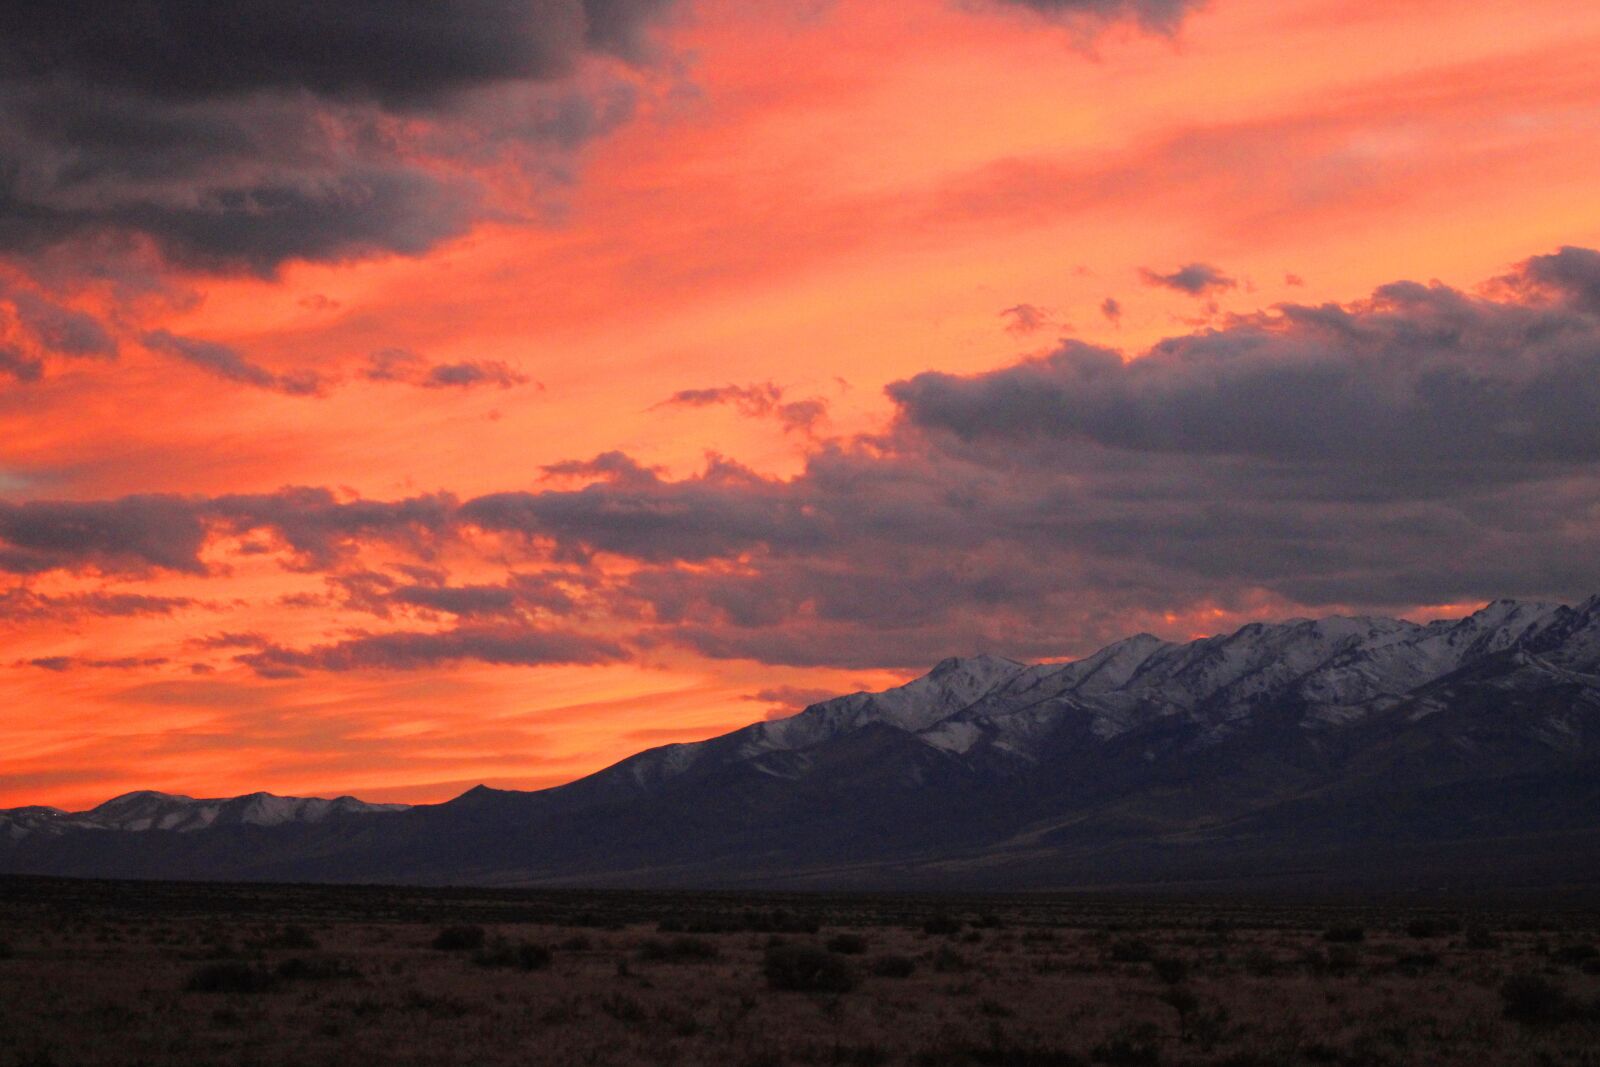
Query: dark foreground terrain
x,y
152,973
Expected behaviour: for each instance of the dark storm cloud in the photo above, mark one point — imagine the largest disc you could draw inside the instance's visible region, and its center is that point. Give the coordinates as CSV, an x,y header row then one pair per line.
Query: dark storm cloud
x,y
1196,279
238,136
1162,15
407,53
505,646
226,362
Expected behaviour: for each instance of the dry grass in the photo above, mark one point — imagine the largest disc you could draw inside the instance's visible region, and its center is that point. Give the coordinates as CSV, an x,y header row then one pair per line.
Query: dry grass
x,y
131,974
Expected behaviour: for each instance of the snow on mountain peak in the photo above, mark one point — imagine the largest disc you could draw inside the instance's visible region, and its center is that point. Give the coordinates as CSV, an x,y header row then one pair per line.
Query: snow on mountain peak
x,y
1328,671
146,809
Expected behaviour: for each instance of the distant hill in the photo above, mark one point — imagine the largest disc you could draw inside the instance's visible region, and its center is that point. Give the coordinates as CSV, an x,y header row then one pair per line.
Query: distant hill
x,y
148,810
1339,753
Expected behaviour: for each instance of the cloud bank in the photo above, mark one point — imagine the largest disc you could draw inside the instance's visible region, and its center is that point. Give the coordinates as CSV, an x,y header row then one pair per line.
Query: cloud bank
x,y
1425,445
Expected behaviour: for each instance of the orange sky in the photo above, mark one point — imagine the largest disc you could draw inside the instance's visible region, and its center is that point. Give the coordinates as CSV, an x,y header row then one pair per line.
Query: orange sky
x,y
825,197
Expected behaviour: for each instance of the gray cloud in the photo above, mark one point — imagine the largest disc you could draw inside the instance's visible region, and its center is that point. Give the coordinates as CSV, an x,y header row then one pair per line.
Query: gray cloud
x,y
1160,15
1196,279
240,137
62,664
135,535
321,532
132,535
505,646
21,368
35,330
1417,377
469,373
1569,276
400,365
760,400
1024,319
226,362
1422,446
62,329
407,53
21,603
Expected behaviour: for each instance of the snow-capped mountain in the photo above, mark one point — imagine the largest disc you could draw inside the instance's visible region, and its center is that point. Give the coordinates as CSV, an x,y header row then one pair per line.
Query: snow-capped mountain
x,y
1333,751
149,810
1321,674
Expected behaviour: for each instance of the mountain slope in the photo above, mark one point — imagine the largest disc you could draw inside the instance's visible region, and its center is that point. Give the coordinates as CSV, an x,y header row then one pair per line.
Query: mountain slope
x,y
1299,750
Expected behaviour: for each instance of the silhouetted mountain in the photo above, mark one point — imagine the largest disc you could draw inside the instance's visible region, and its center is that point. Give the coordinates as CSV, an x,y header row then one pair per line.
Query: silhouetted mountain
x,y
1311,754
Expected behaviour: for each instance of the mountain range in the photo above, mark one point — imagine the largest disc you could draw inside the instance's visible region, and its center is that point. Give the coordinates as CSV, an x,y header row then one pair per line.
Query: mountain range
x,y
146,809
1307,755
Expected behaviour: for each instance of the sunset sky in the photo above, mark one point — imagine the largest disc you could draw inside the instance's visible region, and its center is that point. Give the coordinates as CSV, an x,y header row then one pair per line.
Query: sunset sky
x,y
403,395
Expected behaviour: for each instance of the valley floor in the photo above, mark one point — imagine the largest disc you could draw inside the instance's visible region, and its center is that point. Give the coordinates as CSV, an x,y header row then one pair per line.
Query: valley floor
x,y
163,973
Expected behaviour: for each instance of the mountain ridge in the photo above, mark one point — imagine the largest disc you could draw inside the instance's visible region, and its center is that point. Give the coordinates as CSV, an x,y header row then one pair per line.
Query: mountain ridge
x,y
143,810
1148,759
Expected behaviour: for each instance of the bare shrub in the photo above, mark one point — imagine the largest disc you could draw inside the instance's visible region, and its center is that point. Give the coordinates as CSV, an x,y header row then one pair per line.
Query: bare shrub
x,y
847,944
459,939
293,937
807,969
522,955
1431,927
314,969
1130,950
679,950
1170,970
623,1008
1533,999
229,976
893,967
1575,955
1132,1046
